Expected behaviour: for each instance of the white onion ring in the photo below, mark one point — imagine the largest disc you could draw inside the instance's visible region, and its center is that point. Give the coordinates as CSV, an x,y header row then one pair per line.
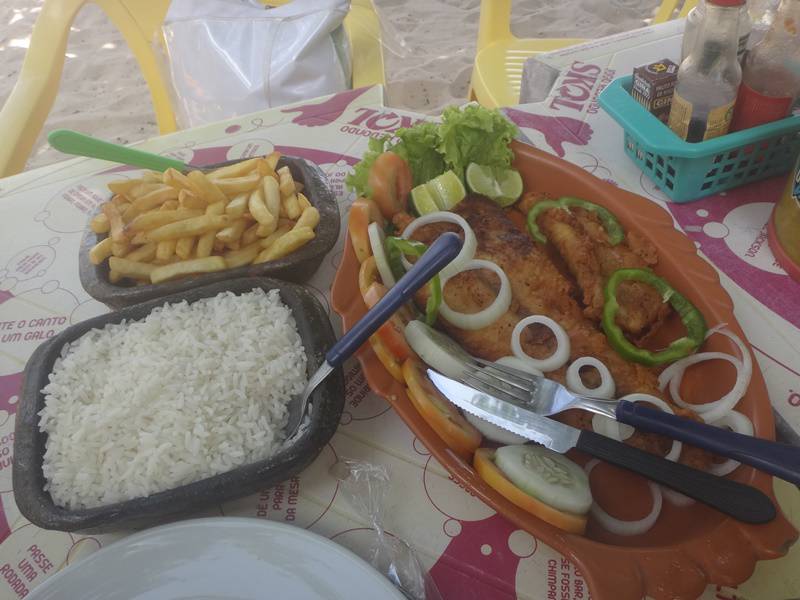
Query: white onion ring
x,y
490,314
467,250
611,428
740,424
376,238
676,498
607,386
521,364
557,359
622,431
712,411
626,528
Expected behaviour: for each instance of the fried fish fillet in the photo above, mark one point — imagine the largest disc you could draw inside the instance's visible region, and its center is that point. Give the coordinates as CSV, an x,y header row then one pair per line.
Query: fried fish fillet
x,y
582,241
537,288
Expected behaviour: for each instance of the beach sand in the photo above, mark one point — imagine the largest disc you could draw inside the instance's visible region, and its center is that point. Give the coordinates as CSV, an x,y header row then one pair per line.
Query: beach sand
x,y
429,49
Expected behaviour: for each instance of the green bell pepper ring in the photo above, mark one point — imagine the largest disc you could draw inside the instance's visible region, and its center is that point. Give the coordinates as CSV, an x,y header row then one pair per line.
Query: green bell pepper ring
x,y
691,317
613,227
395,247
393,254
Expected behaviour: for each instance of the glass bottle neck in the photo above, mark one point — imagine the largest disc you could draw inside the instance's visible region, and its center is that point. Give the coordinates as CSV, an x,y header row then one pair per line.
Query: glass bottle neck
x,y
718,37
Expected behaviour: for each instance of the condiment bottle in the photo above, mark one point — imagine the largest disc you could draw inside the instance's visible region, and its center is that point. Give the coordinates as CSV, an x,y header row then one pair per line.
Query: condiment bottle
x,y
709,77
784,228
771,73
695,18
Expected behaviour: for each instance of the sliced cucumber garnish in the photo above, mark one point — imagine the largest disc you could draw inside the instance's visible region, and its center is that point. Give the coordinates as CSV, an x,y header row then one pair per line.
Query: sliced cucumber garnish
x,y
551,477
436,349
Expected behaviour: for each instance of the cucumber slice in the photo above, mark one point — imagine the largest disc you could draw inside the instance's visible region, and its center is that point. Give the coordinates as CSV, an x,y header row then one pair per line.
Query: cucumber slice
x,y
546,475
436,349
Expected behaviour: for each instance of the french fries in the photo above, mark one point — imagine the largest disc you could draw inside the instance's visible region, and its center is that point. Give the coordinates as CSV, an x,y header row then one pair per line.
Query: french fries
x,y
286,244
236,185
169,225
193,226
155,219
184,247
100,251
130,268
100,224
187,267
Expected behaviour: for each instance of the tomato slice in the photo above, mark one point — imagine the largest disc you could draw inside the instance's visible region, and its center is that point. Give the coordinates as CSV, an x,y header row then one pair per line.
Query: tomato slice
x,y
387,359
392,335
357,224
390,182
438,411
367,274
484,465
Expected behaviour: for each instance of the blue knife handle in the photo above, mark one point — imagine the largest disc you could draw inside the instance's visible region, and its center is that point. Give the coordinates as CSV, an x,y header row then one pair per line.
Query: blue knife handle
x,y
440,253
781,460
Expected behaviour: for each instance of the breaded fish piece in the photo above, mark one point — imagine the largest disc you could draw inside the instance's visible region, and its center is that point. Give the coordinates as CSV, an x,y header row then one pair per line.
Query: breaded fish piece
x,y
537,288
582,241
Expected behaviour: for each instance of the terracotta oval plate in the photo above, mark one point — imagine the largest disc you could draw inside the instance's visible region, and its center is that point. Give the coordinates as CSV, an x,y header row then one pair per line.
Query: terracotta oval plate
x,y
689,547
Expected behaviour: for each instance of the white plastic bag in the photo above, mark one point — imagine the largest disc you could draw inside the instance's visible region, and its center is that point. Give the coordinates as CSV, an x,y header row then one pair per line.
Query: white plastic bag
x,y
366,486
232,57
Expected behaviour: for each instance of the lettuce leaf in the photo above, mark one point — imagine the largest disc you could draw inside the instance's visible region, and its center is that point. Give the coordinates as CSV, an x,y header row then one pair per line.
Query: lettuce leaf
x,y
471,134
358,179
417,146
475,134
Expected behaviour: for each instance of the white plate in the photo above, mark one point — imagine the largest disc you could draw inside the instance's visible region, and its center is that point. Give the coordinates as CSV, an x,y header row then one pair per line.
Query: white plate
x,y
223,558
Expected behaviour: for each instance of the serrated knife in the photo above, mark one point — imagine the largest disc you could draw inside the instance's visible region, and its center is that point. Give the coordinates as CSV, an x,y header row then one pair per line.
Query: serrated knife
x,y
737,500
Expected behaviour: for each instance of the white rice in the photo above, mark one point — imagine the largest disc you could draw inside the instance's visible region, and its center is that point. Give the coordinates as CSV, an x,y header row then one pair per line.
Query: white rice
x,y
191,391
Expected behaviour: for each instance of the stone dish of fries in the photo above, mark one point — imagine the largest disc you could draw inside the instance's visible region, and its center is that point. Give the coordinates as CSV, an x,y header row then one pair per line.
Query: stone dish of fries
x,y
164,232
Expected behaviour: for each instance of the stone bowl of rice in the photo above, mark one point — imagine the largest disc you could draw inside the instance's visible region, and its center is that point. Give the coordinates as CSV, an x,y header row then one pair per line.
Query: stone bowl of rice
x,y
173,405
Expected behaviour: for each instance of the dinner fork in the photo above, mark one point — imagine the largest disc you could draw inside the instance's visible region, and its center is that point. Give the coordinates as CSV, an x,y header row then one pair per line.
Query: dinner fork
x,y
436,257
547,397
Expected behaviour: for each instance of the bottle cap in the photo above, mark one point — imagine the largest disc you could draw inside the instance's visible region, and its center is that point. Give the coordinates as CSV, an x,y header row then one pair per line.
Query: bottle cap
x,y
727,2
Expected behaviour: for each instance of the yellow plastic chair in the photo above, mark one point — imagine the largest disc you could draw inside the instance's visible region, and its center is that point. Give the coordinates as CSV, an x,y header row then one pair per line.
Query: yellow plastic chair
x,y
500,56
29,103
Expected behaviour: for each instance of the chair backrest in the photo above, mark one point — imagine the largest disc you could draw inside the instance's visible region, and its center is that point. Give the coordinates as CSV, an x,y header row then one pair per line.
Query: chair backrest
x,y
140,21
495,18
26,108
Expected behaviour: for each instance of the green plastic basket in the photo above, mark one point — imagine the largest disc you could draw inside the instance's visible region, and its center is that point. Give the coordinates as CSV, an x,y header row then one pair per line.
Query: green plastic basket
x,y
687,172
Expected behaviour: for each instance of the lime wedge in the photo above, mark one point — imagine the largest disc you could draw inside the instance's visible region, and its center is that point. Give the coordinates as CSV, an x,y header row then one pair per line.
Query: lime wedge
x,y
422,200
447,190
504,186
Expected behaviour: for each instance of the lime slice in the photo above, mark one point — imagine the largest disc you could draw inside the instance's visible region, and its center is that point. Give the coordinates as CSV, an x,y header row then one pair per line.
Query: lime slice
x,y
504,186
423,201
447,190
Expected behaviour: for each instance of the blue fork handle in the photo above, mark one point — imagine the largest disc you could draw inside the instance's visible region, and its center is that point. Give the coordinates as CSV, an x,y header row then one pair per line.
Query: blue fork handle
x,y
781,460
440,253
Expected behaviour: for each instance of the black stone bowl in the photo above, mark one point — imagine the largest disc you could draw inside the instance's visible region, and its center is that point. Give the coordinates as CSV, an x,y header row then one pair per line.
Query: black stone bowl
x,y
297,266
29,443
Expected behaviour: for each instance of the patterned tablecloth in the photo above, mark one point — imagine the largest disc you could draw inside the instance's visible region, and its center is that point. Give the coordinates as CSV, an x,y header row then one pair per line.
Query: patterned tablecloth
x,y
471,551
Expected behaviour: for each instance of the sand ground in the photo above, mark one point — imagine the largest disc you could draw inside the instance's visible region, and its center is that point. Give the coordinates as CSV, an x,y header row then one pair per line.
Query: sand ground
x,y
429,48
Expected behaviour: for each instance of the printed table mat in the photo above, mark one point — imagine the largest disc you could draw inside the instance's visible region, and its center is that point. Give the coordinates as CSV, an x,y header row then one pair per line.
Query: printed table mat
x,y
471,551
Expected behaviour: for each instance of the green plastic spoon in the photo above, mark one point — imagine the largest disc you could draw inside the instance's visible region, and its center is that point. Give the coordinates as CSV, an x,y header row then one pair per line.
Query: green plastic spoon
x,y
72,142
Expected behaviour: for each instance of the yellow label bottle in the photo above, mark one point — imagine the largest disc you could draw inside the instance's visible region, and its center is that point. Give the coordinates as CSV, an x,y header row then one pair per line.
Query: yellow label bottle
x,y
785,226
